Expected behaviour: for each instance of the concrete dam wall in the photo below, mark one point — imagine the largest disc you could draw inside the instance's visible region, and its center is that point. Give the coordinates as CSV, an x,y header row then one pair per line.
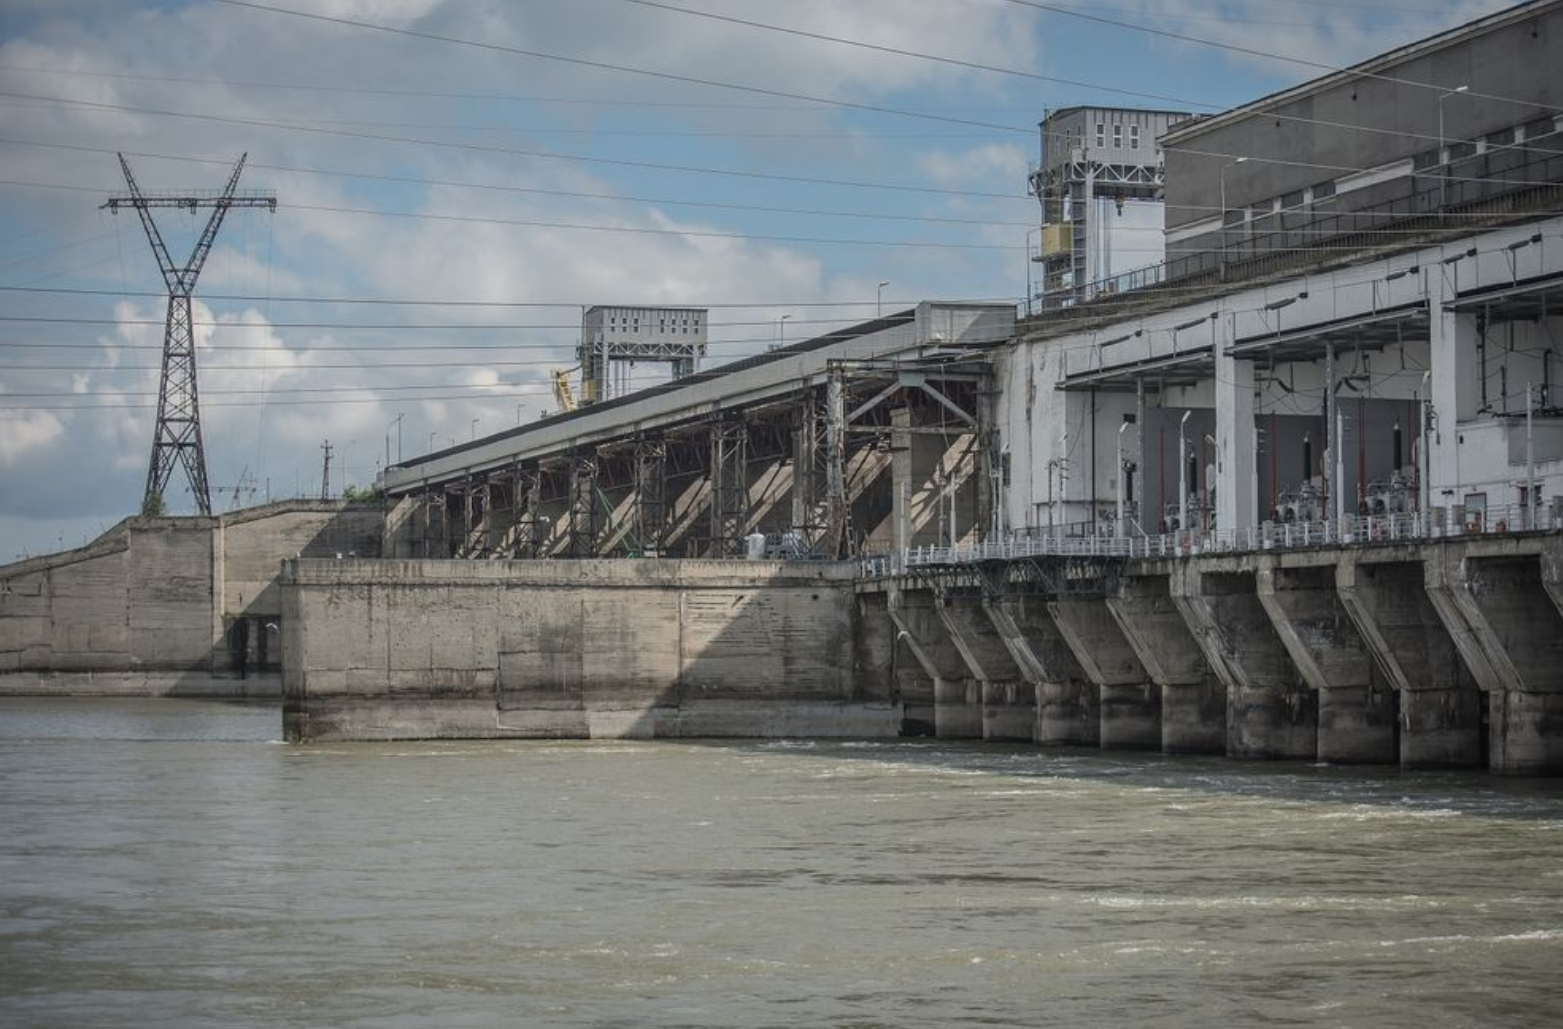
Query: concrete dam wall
x,y
623,648
176,606
1429,655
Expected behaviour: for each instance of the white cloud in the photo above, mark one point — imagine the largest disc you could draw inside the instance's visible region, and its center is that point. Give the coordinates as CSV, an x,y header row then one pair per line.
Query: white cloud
x,y
22,432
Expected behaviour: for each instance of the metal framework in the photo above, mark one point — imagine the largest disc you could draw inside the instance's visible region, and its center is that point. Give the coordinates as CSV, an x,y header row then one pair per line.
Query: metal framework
x,y
698,487
603,344
729,486
583,506
650,530
177,435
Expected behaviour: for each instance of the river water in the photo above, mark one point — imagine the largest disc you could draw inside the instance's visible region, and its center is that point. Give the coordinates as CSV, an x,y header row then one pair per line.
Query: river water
x,y
169,863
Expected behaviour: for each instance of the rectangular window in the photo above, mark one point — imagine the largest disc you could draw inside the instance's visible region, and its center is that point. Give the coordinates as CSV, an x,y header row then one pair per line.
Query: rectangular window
x,y
1101,135
1134,137
1540,127
1117,136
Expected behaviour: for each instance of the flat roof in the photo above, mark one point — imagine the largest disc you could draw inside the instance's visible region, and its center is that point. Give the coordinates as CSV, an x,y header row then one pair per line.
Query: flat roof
x,y
1373,67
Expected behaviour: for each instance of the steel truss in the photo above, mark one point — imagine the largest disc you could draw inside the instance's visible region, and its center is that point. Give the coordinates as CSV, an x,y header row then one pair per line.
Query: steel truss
x,y
729,471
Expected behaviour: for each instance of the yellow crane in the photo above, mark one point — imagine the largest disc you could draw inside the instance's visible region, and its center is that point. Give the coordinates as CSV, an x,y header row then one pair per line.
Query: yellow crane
x,y
562,391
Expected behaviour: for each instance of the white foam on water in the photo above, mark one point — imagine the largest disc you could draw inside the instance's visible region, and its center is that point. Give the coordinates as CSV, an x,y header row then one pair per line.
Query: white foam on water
x,y
1530,936
1305,902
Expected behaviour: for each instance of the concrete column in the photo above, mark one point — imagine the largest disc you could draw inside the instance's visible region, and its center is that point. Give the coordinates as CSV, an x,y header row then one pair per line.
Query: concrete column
x,y
957,694
1448,334
888,668
901,478
1130,702
1236,484
1193,698
1271,713
1357,709
1440,706
1008,708
1067,703
1491,597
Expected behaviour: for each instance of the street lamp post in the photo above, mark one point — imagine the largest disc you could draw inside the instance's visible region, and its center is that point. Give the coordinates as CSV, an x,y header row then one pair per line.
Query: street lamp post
x,y
397,421
1123,465
781,330
1443,178
1222,180
879,298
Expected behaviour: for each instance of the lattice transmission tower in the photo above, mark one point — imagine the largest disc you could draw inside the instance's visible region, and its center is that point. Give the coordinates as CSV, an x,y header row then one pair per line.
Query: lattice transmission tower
x,y
177,437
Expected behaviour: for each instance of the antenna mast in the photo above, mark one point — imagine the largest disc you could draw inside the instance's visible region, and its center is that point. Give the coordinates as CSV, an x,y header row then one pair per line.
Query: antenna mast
x,y
177,436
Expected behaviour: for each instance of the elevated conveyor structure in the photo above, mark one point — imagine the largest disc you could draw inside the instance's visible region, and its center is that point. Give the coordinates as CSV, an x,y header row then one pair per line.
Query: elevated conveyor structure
x,y
878,435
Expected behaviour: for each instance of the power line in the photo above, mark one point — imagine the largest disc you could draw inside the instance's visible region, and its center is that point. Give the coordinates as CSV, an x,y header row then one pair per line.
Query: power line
x,y
607,66
502,188
389,302
1020,73
507,151
899,52
1248,51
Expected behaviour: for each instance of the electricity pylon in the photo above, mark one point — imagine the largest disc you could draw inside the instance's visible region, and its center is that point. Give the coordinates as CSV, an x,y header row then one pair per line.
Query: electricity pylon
x,y
177,436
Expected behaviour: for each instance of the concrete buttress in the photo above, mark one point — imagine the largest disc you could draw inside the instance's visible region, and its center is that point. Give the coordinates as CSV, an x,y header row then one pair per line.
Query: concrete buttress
x,y
1357,705
1193,698
1271,713
1495,604
1130,701
1008,705
957,694
1439,703
1067,704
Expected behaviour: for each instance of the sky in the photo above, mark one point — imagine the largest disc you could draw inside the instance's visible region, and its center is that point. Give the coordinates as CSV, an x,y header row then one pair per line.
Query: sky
x,y
456,180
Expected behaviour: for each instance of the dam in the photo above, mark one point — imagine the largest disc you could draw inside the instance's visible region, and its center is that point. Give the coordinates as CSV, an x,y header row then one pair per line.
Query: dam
x,y
1294,493
1424,654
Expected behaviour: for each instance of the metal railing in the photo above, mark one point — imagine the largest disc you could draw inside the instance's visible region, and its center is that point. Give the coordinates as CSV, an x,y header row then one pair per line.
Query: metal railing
x,y
1351,530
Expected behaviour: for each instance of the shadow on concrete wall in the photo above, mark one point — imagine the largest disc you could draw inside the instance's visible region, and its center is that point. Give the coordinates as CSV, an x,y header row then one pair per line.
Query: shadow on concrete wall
x,y
183,606
627,648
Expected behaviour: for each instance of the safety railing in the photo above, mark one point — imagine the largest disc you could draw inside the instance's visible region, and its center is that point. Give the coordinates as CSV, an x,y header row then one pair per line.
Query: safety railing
x,y
1272,536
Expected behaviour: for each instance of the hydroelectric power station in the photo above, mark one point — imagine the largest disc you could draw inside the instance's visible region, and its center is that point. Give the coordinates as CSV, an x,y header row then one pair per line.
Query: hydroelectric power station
x,y
1295,491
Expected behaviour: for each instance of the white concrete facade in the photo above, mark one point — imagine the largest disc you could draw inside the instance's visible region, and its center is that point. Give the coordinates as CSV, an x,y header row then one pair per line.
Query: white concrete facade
x,y
1436,335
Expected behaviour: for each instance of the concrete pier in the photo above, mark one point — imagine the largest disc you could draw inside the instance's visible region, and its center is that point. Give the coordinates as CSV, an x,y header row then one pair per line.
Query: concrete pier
x,y
957,693
1067,705
1496,606
883,656
1271,712
1193,698
1008,703
1357,708
1130,703
1440,707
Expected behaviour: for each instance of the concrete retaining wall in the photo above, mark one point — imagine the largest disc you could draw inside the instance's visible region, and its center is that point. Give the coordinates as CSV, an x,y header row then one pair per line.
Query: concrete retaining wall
x,y
155,606
625,648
